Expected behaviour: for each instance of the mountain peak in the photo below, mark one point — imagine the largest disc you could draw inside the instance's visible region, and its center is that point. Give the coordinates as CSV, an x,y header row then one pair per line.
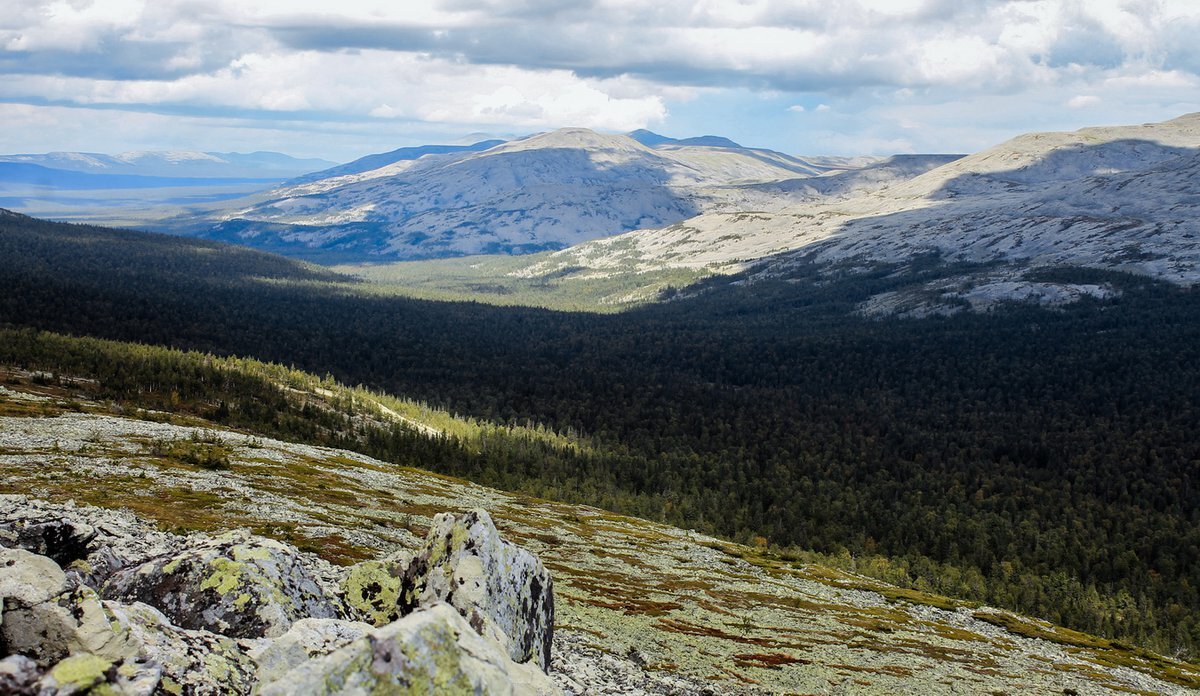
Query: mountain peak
x,y
575,138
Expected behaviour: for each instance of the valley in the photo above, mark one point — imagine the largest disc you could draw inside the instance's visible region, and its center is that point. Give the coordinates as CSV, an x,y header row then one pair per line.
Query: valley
x,y
933,411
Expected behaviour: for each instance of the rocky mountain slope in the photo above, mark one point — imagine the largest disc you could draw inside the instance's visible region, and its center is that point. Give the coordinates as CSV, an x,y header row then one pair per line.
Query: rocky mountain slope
x,y
1119,198
639,607
547,191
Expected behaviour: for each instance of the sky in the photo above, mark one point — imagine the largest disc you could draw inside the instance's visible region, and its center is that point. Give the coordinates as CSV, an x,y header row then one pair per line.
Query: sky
x,y
341,79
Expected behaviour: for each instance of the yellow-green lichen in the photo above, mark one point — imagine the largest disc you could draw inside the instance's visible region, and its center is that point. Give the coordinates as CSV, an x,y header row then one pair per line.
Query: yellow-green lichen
x,y
374,590
224,575
80,672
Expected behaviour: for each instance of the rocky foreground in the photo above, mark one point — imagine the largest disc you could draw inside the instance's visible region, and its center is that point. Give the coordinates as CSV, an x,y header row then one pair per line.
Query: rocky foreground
x,y
639,607
97,601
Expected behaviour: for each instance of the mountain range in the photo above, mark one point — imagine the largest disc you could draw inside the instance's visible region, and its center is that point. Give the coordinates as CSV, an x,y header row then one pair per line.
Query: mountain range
x,y
1118,198
547,191
174,164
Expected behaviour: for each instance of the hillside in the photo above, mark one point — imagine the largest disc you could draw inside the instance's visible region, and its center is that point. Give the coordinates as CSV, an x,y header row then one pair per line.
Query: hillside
x,y
640,606
1111,198
547,191
768,409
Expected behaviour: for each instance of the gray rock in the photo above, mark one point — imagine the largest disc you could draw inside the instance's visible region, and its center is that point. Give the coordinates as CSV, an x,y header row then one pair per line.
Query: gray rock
x,y
28,577
62,540
33,623
502,590
431,651
74,621
233,584
120,540
200,663
306,639
19,675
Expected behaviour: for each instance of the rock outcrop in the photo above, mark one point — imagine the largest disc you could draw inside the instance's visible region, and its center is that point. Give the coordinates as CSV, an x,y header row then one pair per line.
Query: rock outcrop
x,y
502,590
234,584
431,651
239,614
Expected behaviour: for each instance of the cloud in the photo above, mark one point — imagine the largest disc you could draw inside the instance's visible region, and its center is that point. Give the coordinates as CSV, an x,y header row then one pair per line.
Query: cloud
x,y
496,65
1082,101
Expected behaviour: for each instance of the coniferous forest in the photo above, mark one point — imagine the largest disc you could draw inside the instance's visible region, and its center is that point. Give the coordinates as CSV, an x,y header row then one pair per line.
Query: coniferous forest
x,y
1043,460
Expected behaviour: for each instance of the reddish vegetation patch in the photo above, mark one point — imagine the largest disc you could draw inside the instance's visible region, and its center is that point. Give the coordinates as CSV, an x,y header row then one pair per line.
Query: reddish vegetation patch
x,y
768,660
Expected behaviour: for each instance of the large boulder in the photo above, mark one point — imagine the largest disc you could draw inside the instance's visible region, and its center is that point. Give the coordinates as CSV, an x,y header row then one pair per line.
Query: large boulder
x,y
46,617
502,590
305,640
194,662
234,584
431,651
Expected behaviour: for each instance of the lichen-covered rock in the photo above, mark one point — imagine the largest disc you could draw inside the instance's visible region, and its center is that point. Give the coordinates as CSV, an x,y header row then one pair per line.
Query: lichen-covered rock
x,y
77,674
187,661
85,673
502,590
306,639
372,589
31,623
233,584
19,675
431,651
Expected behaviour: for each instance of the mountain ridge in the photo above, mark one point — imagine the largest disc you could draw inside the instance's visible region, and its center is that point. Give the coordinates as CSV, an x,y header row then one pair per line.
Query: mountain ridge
x,y
1107,197
545,191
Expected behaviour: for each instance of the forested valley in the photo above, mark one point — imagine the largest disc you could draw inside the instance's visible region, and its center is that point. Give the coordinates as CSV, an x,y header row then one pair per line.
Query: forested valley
x,y
1043,460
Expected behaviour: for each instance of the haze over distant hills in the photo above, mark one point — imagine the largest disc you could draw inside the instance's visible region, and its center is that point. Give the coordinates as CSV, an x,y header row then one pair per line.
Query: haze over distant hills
x,y
132,187
175,164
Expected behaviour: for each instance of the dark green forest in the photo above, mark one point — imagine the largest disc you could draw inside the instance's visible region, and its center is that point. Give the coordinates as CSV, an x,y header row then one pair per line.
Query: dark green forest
x,y
1040,460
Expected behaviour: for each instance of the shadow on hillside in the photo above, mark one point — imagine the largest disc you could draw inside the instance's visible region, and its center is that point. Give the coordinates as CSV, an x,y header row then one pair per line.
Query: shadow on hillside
x,y
1115,168
625,196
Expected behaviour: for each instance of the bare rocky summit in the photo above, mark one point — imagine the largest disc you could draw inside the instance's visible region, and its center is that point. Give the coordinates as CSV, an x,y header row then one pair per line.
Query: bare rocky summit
x,y
1115,198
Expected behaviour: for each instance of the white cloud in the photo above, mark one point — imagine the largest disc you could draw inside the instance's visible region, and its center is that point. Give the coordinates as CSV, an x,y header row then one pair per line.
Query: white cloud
x,y
1082,101
511,65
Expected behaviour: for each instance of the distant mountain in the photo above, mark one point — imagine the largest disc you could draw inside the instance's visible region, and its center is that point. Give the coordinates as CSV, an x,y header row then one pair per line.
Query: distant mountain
x,y
184,164
652,139
19,174
547,191
130,188
404,154
1120,198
